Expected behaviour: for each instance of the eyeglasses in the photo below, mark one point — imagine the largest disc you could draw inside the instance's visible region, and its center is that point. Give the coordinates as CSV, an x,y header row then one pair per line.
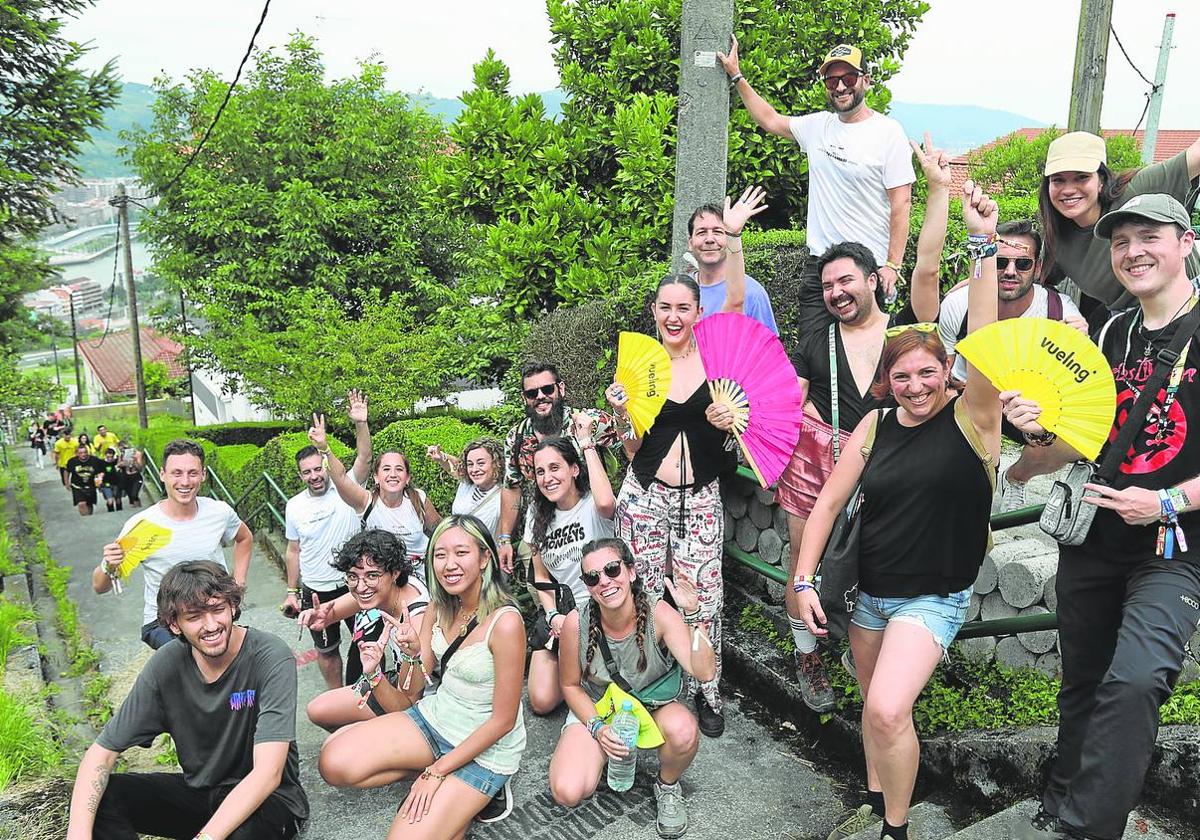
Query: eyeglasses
x,y
1022,263
545,391
923,327
370,578
612,571
848,79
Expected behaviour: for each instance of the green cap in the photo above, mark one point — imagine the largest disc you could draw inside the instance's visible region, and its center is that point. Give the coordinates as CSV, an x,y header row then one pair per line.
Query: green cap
x,y
1155,207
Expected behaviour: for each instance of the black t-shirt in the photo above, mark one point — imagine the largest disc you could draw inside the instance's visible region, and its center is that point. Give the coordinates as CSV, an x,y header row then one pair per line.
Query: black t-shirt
x,y
216,725
1165,453
83,473
112,472
812,363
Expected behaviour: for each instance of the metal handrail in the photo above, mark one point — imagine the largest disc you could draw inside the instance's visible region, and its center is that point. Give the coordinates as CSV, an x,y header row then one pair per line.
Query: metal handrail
x,y
271,483
215,479
245,495
153,472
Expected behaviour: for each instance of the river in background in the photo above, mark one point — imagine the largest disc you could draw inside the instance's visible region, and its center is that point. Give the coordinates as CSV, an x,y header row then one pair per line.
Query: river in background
x,y
100,267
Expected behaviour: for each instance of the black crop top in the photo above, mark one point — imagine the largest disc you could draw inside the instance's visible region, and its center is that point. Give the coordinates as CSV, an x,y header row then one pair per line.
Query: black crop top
x,y
702,441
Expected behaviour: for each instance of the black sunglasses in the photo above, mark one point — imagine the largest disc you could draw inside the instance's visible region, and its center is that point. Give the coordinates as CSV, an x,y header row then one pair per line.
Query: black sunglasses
x,y
612,570
545,391
849,79
1023,263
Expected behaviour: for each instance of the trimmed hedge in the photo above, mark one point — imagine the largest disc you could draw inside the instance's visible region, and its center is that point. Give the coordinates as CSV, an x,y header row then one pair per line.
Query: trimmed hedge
x,y
278,459
413,437
163,429
257,432
230,459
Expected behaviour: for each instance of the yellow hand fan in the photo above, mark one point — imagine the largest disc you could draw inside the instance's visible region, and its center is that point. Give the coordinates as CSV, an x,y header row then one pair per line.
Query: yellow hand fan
x,y
644,371
1057,367
143,539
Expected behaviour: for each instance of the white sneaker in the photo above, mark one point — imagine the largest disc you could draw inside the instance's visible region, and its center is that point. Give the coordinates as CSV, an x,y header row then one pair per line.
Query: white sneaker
x,y
1012,493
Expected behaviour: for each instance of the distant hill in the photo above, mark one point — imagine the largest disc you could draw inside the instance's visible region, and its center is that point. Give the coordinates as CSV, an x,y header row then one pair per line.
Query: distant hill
x,y
956,128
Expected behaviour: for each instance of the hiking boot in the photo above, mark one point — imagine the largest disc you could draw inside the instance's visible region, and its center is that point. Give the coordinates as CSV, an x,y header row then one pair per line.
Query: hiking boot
x,y
1012,493
852,822
1043,826
848,663
712,722
499,808
672,813
814,682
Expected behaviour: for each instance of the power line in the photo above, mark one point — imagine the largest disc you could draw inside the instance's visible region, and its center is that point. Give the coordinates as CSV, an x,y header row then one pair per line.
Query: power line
x,y
1128,59
112,291
217,117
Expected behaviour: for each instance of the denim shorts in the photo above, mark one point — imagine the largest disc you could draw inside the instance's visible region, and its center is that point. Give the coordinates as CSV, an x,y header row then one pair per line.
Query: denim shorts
x,y
475,775
941,616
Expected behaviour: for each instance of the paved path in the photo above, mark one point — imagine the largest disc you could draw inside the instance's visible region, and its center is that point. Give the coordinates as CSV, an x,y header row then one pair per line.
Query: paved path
x,y
742,785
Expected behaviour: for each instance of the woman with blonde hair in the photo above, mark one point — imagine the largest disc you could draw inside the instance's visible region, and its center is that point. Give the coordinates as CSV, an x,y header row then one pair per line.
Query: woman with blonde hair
x,y
478,473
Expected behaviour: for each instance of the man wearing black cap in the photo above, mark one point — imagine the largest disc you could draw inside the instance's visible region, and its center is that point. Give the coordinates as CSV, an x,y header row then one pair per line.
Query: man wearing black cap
x,y
860,171
1129,595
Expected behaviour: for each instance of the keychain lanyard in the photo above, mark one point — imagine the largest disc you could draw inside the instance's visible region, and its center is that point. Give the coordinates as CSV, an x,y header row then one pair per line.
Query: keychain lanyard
x,y
833,381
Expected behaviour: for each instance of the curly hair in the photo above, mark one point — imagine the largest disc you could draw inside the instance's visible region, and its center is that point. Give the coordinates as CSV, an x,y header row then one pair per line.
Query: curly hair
x,y
191,585
641,603
543,508
490,445
383,548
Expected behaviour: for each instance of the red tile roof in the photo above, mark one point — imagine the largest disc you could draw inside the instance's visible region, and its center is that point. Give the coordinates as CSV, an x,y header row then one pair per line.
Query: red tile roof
x,y
112,360
1170,143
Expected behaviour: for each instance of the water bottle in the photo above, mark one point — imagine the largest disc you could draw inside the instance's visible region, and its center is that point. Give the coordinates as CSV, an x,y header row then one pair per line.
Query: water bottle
x,y
626,727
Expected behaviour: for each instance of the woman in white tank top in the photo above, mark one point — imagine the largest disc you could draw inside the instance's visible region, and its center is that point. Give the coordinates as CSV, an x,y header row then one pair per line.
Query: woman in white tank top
x,y
478,474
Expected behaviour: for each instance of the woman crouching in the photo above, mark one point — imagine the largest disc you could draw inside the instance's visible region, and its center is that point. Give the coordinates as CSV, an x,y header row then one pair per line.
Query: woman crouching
x,y
464,741
647,641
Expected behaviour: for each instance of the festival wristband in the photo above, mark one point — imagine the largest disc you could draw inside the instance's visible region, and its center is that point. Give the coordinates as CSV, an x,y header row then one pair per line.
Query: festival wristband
x,y
1179,499
800,587
366,685
734,79
594,725
552,614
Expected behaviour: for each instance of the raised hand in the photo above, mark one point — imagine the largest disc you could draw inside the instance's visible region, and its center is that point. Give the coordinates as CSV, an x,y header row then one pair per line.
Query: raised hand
x,y
356,406
582,426
617,398
684,592
737,213
435,454
935,163
980,212
371,653
318,617
1022,413
730,61
316,432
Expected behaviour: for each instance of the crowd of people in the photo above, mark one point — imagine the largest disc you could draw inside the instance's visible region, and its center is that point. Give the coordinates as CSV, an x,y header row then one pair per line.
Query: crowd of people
x,y
626,573
105,465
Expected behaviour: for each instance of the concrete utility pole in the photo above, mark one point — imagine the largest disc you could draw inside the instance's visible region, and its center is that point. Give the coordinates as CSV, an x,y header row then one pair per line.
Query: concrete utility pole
x,y
75,348
703,117
1091,62
1156,95
139,380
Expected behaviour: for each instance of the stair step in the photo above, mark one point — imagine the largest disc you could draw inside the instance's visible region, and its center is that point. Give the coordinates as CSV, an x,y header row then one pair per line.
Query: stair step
x,y
996,827
926,821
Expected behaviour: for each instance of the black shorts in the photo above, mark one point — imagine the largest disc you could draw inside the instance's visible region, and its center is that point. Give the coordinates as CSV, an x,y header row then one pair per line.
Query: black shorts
x,y
329,639
79,496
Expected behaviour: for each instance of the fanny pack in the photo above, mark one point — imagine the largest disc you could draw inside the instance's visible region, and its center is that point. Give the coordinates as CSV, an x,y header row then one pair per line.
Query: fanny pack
x,y
662,691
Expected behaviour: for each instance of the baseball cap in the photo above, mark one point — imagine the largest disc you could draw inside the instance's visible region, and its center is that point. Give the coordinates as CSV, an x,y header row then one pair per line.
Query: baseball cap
x,y
1155,207
1076,151
843,52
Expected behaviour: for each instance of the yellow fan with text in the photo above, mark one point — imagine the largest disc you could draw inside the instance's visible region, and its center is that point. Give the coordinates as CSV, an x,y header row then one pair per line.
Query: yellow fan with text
x,y
1056,366
644,371
143,539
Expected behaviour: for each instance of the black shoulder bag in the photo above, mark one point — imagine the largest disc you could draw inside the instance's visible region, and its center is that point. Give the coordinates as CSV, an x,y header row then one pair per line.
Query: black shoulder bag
x,y
455,645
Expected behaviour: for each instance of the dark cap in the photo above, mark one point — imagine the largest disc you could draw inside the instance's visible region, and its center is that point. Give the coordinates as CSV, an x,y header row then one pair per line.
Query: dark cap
x,y
1153,207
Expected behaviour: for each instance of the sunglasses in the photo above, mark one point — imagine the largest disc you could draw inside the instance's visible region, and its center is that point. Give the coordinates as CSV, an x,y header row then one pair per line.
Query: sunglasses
x,y
848,79
923,327
612,571
545,391
1022,263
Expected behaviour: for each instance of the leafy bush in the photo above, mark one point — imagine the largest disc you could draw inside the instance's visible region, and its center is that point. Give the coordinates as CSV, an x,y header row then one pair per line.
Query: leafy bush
x,y
256,432
413,437
278,459
581,341
230,459
161,430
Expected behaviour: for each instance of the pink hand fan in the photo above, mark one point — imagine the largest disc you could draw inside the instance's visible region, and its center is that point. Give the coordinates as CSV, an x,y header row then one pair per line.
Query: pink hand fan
x,y
748,370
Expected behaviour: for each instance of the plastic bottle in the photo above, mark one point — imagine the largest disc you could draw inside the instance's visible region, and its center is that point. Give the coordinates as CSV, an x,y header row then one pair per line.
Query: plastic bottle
x,y
620,771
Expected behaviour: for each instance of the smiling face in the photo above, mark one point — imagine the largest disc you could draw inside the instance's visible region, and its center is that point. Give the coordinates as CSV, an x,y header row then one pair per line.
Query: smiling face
x,y
391,474
458,561
541,404
481,468
707,240
182,475
849,294
312,473
1076,196
1149,256
370,585
207,629
610,592
851,88
918,382
555,477
676,311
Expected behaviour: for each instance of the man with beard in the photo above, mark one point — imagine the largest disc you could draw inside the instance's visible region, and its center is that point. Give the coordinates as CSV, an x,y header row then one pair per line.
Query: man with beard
x,y
317,522
1017,268
226,695
860,171
1129,594
546,415
183,526
836,367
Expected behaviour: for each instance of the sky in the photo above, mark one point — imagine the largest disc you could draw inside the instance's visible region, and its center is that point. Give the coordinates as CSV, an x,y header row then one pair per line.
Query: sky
x,y
1015,55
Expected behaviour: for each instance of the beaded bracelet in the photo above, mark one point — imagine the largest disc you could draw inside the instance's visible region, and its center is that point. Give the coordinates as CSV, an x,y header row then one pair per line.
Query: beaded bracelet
x,y
428,773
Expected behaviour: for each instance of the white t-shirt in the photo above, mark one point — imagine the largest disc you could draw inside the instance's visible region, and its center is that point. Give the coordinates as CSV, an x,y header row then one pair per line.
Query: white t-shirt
x,y
469,498
199,538
405,522
320,524
566,535
851,167
954,313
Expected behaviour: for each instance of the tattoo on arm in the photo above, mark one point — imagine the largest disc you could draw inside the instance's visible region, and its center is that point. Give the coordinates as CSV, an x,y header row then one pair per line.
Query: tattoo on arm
x,y
99,785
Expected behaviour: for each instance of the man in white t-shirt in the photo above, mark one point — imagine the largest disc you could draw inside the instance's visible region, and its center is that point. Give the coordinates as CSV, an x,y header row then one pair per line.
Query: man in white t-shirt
x,y
1021,296
184,526
860,171
316,523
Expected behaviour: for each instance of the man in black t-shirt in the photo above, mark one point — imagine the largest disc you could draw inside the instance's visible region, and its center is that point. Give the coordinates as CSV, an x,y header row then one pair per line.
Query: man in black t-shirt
x,y
226,694
848,352
81,477
1129,596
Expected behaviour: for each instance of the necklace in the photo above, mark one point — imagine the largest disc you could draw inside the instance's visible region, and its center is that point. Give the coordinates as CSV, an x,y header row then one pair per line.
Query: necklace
x,y
466,622
685,353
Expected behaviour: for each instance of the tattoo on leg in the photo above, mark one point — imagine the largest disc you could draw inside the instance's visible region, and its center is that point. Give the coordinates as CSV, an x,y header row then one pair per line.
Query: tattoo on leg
x,y
99,784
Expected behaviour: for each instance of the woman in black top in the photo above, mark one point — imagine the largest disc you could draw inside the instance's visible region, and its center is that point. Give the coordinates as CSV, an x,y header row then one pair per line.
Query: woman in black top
x,y
924,527
37,442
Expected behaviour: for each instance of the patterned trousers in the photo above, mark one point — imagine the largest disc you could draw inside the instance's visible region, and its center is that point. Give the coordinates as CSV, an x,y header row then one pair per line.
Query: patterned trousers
x,y
681,531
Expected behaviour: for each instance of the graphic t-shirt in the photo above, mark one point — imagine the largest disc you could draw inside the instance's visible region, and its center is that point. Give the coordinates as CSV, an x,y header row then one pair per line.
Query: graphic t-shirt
x,y
83,473
216,725
851,166
757,305
566,535
199,538
1166,451
320,524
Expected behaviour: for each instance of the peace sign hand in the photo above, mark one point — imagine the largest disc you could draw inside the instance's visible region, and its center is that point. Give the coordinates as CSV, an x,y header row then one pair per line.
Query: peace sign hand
x,y
404,631
372,653
316,432
934,162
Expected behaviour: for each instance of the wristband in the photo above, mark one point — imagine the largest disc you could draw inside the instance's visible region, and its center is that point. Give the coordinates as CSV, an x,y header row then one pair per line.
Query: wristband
x,y
552,614
734,79
428,773
294,590
366,685
800,587
594,725
802,582
326,452
1179,499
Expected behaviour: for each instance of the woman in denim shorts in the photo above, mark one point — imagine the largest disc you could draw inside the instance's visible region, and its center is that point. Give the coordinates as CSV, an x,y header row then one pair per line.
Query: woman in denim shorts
x,y
924,525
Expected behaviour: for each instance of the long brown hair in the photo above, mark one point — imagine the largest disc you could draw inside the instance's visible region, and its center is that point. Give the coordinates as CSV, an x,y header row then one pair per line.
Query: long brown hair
x,y
900,345
1052,223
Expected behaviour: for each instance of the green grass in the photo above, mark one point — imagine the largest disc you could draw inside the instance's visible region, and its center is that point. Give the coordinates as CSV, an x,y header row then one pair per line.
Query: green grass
x,y
11,617
27,746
